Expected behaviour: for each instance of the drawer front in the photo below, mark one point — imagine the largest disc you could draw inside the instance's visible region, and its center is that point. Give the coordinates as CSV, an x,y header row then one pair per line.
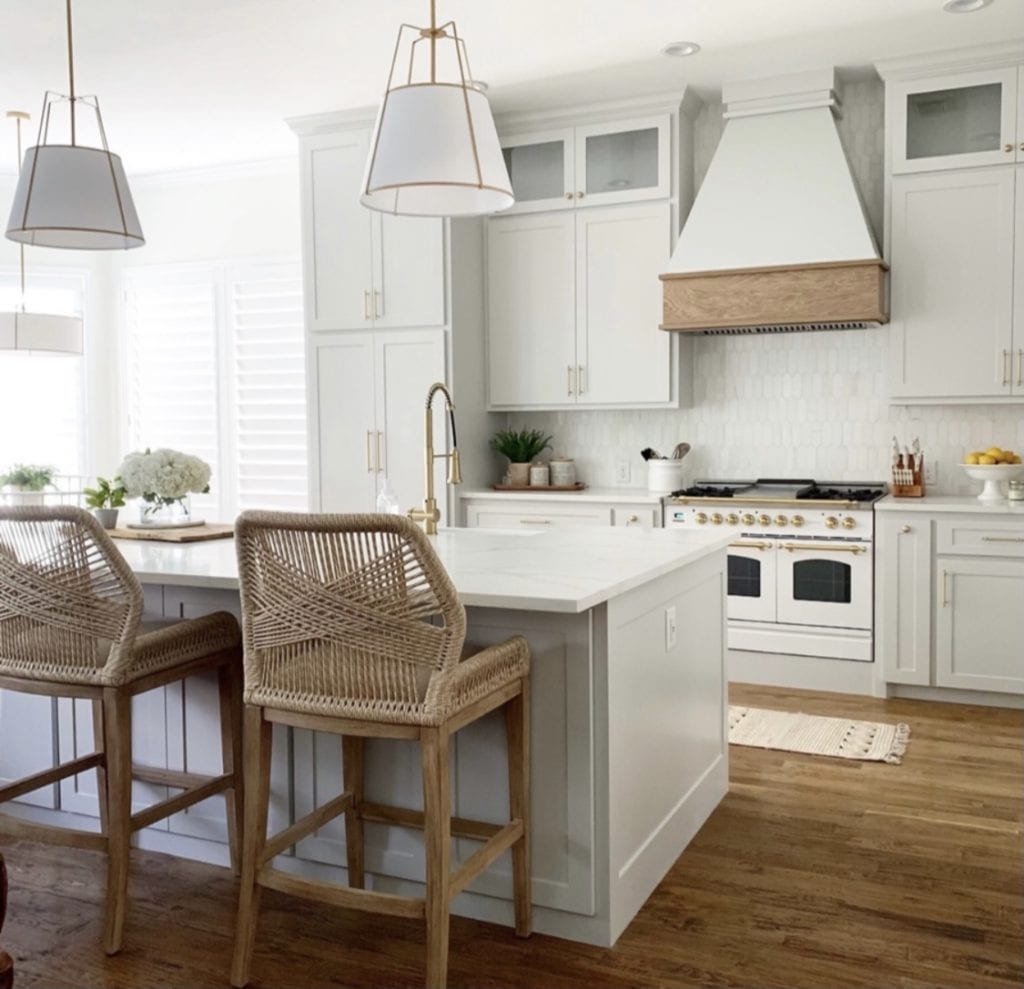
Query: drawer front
x,y
637,516
502,516
985,538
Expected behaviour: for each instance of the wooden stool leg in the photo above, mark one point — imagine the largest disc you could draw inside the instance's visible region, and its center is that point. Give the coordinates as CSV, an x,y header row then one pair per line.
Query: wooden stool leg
x,y
353,753
256,759
117,723
101,773
517,728
229,683
437,850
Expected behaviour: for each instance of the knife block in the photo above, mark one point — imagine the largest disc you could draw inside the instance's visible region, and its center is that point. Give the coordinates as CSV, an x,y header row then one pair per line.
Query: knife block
x,y
915,489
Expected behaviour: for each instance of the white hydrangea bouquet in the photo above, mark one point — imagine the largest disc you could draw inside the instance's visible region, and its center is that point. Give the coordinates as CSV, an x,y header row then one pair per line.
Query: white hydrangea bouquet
x,y
164,479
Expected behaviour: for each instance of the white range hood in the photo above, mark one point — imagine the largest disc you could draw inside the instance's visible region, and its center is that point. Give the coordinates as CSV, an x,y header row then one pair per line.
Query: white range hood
x,y
777,238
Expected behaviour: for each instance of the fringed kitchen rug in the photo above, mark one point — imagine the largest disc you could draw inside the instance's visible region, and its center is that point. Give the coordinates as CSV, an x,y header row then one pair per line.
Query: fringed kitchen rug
x,y
866,740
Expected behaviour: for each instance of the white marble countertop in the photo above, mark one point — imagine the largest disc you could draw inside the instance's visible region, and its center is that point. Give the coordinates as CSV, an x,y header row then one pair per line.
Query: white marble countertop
x,y
562,570
618,496
950,503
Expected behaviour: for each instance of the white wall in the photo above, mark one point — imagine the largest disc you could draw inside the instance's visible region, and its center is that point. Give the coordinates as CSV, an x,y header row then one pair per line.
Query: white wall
x,y
798,404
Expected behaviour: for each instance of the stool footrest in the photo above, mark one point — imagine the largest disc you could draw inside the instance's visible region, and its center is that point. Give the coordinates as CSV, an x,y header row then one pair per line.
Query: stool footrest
x,y
483,857
341,896
157,812
461,827
17,827
306,825
62,771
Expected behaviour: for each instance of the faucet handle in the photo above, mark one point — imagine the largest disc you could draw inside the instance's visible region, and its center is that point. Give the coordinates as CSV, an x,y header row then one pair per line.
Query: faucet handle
x,y
454,468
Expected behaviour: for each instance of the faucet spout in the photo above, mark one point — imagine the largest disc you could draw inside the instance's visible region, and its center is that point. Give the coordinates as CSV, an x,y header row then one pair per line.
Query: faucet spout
x,y
430,515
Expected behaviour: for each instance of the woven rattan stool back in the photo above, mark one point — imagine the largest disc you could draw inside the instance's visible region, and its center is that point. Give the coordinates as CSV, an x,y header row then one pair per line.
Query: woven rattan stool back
x,y
69,604
346,615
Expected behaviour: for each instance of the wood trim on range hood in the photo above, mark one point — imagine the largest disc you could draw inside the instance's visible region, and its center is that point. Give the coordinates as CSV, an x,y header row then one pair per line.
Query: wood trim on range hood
x,y
825,295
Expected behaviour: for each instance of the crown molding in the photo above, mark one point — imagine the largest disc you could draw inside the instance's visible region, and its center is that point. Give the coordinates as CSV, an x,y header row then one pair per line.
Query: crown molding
x,y
1005,54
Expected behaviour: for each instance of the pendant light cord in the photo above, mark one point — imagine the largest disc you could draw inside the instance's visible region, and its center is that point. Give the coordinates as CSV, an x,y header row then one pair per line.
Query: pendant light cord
x,y
71,74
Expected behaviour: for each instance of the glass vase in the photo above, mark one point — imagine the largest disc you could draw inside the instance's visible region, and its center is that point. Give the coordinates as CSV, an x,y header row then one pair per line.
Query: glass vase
x,y
165,513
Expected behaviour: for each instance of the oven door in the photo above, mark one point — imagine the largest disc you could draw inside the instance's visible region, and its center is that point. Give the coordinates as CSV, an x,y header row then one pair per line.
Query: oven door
x,y
825,583
751,580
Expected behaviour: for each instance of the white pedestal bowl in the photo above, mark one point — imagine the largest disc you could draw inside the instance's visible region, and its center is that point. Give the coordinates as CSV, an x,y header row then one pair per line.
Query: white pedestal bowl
x,y
995,477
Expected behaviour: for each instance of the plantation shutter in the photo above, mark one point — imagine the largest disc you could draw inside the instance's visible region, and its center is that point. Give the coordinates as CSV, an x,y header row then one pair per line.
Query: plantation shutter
x,y
269,386
172,360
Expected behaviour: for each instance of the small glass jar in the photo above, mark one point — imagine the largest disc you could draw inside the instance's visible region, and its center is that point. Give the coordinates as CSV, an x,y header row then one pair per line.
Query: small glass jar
x,y
1016,491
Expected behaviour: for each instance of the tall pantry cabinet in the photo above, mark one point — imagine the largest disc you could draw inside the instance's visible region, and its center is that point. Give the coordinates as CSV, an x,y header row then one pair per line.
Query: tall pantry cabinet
x,y
384,320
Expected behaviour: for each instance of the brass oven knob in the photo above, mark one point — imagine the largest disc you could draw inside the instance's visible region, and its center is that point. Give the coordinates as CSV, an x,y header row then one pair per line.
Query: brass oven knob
x,y
797,521
716,519
732,518
700,518
831,522
748,519
781,520
764,520
849,522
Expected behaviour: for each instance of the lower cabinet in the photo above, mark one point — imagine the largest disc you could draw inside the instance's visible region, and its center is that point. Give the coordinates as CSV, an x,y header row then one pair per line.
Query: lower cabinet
x,y
949,596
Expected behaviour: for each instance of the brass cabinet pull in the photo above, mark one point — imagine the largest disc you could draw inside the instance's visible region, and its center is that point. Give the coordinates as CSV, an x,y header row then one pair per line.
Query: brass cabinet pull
x,y
945,588
535,521
580,379
905,528
380,455
1006,367
744,544
369,453
378,297
1020,363
568,374
366,305
1002,539
791,547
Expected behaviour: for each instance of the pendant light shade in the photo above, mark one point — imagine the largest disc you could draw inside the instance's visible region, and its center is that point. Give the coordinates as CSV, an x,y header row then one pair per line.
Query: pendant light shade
x,y
72,195
40,333
435,149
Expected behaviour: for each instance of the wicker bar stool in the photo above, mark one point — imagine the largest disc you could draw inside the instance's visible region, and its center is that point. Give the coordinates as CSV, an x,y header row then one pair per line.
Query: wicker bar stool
x,y
350,625
70,626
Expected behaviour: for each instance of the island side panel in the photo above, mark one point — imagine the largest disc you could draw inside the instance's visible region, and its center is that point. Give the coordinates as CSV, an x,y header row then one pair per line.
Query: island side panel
x,y
666,707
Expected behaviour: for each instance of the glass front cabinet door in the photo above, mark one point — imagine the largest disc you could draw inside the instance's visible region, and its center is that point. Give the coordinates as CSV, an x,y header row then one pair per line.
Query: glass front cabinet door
x,y
956,121
540,166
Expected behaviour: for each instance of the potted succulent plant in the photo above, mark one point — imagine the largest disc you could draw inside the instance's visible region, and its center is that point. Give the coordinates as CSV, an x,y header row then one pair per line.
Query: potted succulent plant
x,y
105,499
27,482
521,447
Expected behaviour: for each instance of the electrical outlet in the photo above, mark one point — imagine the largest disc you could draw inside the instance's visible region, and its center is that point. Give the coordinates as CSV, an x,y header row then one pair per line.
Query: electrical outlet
x,y
670,628
931,473
622,472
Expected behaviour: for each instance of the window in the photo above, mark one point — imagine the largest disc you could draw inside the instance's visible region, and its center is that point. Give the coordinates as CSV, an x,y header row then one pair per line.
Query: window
x,y
216,367
43,394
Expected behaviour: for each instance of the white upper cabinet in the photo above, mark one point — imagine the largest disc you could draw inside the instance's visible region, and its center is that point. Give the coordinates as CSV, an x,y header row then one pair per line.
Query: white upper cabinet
x,y
595,164
364,269
956,121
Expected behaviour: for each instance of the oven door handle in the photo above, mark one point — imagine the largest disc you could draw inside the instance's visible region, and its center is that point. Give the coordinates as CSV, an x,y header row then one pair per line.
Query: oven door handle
x,y
825,547
749,544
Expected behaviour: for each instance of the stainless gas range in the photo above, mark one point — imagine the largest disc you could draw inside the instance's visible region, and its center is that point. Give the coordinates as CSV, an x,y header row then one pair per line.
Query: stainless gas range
x,y
800,569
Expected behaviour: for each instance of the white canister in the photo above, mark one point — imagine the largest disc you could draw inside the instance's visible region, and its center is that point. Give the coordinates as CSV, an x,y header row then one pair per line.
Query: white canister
x,y
563,472
664,476
539,476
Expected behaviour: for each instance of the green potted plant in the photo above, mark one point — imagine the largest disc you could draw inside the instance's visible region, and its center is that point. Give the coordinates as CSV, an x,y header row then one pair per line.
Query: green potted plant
x,y
27,482
105,499
521,447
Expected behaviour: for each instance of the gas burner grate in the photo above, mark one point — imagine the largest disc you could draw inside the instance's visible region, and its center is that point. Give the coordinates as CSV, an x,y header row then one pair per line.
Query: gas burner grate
x,y
709,491
842,494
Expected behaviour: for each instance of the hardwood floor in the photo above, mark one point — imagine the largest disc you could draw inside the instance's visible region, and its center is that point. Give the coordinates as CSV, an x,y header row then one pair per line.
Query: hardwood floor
x,y
813,872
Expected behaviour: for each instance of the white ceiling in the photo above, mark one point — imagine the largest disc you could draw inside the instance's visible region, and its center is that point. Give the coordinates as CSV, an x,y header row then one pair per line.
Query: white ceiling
x,y
190,83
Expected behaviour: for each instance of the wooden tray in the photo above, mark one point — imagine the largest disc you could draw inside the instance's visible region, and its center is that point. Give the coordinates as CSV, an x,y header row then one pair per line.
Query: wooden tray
x,y
195,534
578,486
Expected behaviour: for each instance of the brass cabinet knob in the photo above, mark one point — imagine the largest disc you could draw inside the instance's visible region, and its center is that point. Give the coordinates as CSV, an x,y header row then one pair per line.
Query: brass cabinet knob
x,y
700,518
764,519
849,523
831,522
732,518
716,519
797,521
632,519
905,528
580,195
1007,147
568,195
748,519
781,520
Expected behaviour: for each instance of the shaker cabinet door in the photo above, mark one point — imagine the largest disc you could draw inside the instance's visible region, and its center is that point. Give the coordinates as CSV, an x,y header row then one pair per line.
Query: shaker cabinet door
x,y
408,271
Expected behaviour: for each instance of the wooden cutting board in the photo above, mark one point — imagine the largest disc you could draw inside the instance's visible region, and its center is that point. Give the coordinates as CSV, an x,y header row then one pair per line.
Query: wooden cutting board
x,y
192,534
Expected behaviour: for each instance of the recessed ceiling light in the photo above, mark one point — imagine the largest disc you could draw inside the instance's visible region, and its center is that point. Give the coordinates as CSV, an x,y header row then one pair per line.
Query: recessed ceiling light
x,y
964,6
680,49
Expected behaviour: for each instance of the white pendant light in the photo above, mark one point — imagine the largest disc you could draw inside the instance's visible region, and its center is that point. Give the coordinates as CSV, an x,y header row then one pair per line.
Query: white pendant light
x,y
72,195
435,149
37,333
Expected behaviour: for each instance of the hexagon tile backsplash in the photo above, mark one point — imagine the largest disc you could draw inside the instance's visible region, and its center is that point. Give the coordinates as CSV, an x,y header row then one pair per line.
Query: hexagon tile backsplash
x,y
785,405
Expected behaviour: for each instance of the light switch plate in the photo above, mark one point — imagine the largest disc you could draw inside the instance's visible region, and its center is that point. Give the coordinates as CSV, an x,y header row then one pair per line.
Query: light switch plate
x,y
670,628
931,473
622,472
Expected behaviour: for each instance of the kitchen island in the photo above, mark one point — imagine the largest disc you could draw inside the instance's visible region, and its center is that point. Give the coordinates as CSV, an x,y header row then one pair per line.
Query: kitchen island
x,y
628,746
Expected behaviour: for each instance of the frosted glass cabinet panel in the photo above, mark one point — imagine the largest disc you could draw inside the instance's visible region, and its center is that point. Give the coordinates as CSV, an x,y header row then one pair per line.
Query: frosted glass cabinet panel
x,y
623,162
540,166
955,121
